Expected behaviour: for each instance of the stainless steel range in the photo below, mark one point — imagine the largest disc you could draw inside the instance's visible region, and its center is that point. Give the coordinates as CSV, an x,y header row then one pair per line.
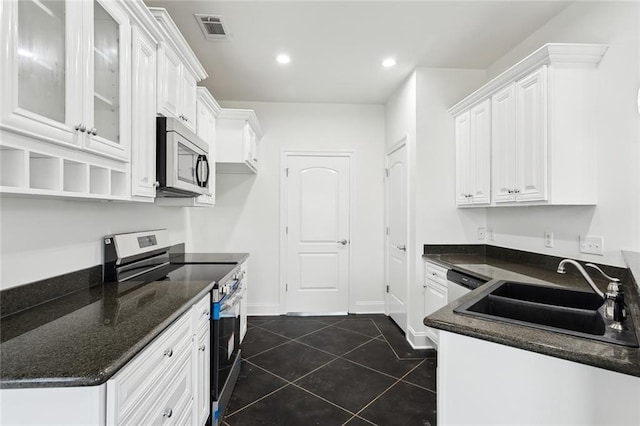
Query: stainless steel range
x,y
133,260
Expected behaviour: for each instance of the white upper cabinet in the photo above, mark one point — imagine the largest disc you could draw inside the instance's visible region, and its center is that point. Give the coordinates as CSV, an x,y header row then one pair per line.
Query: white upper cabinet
x,y
66,73
503,144
531,137
543,140
179,72
143,114
473,155
237,134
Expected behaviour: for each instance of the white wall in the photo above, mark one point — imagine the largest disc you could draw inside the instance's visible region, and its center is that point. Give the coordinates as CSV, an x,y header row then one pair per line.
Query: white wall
x,y
43,238
617,215
246,217
438,221
418,110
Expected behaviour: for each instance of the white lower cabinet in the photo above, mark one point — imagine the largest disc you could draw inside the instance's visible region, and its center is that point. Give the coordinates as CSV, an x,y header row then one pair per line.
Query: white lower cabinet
x,y
435,293
162,383
503,385
201,354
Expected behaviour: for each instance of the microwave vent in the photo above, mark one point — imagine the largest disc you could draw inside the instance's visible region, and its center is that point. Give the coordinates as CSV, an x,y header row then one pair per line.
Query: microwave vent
x,y
212,26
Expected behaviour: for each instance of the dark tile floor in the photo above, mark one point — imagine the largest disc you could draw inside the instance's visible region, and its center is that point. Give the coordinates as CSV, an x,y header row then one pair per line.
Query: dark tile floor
x,y
349,370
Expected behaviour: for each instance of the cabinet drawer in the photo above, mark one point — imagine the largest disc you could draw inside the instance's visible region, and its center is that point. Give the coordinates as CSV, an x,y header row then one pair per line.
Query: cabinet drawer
x,y
435,273
201,313
139,381
174,397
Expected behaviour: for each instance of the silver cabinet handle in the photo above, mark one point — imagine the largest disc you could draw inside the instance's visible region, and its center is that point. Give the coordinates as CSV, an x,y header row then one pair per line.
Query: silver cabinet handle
x,y
167,413
402,248
205,313
168,352
81,127
93,131
516,191
202,348
342,242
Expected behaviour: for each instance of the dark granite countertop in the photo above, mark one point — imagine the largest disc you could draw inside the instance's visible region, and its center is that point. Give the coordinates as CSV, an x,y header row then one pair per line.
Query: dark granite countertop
x,y
493,267
230,258
83,338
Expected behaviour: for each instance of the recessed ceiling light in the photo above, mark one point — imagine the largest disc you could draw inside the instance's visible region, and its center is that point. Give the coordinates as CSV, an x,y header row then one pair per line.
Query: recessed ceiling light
x,y
283,59
388,63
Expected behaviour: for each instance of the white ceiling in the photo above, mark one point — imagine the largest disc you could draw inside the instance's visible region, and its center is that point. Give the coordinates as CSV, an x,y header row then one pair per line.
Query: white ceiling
x,y
336,47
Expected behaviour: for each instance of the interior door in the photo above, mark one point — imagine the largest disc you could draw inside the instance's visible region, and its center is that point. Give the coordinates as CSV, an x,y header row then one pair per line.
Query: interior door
x,y
396,241
317,216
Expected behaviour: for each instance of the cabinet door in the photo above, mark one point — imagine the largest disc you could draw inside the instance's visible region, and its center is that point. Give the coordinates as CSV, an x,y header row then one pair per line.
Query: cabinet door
x,y
251,146
189,98
202,377
480,153
435,297
108,85
503,144
463,135
206,129
531,137
169,82
143,89
41,69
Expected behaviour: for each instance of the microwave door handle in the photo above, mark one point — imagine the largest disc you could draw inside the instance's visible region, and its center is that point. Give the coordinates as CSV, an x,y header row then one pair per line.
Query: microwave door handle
x,y
197,170
205,182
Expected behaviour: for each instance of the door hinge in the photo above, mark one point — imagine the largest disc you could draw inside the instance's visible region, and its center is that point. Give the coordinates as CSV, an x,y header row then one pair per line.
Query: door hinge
x,y
386,172
387,288
387,230
286,171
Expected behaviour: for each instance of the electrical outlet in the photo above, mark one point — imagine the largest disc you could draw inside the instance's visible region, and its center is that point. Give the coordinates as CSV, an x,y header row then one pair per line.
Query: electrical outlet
x,y
592,245
491,232
481,233
548,239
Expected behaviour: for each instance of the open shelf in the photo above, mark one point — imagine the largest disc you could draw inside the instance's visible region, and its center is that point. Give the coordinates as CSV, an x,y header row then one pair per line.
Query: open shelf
x,y
118,183
12,167
98,180
45,172
75,177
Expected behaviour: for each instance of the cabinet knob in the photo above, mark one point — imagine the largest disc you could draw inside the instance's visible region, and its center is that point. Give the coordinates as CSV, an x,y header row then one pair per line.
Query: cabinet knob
x,y
516,191
167,413
510,191
168,352
202,348
93,131
81,127
205,313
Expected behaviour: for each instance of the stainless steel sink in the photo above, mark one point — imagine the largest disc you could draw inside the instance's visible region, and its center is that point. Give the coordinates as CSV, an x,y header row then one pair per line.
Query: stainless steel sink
x,y
574,312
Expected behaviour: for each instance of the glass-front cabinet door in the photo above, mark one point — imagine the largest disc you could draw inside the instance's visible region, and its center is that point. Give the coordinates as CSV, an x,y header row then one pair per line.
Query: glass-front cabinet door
x,y
64,72
39,84
108,87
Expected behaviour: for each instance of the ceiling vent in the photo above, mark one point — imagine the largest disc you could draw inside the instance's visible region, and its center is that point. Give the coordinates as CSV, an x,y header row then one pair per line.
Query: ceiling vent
x,y
213,26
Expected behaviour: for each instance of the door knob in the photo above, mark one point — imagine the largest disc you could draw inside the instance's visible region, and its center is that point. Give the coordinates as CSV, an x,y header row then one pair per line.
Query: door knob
x,y
402,248
342,242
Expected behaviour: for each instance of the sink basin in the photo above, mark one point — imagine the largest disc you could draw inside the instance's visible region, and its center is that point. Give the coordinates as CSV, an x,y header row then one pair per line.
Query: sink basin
x,y
574,312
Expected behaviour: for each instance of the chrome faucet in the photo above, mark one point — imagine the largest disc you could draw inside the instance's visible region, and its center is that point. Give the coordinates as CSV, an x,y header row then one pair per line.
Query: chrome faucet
x,y
614,298
584,274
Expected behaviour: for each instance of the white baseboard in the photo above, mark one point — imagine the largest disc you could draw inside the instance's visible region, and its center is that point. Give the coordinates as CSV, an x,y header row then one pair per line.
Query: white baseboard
x,y
262,309
419,339
367,308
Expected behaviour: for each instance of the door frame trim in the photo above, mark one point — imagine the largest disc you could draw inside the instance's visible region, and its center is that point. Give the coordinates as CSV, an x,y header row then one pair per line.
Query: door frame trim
x,y
403,142
284,156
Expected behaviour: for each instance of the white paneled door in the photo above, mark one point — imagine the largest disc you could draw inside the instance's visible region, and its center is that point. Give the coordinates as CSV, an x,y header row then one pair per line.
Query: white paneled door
x,y
396,233
318,191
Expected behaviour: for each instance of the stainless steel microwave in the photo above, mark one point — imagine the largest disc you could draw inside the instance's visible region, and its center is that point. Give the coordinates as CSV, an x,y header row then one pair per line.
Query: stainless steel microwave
x,y
182,166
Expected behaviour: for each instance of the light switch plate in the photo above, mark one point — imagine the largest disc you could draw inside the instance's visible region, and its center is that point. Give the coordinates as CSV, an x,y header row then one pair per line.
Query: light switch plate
x,y
592,245
481,233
